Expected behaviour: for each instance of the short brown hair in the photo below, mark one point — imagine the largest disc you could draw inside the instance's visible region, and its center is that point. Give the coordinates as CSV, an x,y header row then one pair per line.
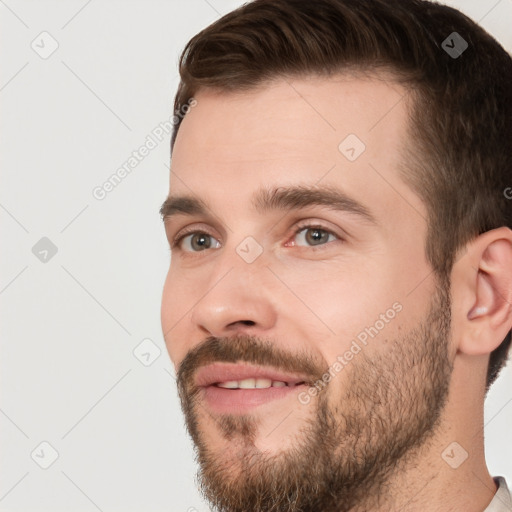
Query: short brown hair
x,y
460,160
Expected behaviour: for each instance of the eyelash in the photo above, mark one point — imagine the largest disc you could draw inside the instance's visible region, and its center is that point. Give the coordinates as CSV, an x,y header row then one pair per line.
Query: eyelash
x,y
301,227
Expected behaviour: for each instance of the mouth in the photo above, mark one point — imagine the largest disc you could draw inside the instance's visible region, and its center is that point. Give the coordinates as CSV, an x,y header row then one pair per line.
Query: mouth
x,y
238,388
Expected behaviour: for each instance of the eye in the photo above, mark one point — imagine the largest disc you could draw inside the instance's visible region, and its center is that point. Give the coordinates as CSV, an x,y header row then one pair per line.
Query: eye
x,y
312,235
306,235
196,241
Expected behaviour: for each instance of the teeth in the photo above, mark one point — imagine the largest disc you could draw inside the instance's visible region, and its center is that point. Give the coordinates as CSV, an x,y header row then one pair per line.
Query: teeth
x,y
247,384
263,383
252,384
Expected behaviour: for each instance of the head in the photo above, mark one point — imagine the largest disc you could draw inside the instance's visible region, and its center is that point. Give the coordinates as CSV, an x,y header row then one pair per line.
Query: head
x,y
300,106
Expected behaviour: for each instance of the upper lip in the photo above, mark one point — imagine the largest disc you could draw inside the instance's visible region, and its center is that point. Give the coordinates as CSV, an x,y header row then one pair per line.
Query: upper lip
x,y
223,372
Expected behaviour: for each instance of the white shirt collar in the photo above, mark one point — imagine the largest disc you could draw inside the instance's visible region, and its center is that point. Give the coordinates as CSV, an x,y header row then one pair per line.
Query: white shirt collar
x,y
502,501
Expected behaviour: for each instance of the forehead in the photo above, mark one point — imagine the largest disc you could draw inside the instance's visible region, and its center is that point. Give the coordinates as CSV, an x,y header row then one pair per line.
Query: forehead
x,y
344,131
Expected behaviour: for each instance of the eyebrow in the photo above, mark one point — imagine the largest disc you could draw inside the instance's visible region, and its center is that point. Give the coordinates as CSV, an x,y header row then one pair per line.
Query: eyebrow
x,y
281,198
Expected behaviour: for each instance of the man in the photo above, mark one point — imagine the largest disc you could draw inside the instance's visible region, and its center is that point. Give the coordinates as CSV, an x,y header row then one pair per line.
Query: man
x,y
339,296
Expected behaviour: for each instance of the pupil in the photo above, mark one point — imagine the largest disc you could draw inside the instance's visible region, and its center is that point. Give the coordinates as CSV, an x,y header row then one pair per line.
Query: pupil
x,y
317,236
201,241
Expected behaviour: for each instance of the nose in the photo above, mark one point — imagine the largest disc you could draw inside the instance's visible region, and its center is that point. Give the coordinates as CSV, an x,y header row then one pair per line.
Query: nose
x,y
239,299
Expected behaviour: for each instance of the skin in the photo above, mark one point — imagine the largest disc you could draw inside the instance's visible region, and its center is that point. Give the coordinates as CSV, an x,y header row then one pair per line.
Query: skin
x,y
316,300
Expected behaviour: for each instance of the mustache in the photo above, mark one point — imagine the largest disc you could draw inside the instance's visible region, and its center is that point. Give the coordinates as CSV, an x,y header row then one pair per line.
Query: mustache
x,y
243,348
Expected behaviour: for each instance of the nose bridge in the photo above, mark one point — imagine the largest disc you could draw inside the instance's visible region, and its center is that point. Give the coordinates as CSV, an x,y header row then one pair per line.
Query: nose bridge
x,y
238,290
244,260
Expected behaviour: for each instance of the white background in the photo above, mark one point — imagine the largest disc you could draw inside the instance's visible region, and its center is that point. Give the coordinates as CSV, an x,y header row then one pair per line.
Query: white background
x,y
69,326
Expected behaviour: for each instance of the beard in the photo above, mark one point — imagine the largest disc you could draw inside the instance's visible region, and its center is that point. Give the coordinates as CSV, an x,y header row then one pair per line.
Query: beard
x,y
347,450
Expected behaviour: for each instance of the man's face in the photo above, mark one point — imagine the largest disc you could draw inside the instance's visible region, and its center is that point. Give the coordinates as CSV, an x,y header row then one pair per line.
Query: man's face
x,y
335,300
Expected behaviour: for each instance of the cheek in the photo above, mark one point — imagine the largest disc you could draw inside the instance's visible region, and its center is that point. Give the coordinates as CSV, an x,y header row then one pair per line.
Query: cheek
x,y
351,307
173,316
344,295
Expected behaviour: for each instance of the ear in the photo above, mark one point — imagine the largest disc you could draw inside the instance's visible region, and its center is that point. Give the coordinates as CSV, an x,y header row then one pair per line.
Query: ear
x,y
482,292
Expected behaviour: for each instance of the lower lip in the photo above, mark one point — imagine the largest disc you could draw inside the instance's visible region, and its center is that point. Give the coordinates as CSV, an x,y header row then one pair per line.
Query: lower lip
x,y
229,401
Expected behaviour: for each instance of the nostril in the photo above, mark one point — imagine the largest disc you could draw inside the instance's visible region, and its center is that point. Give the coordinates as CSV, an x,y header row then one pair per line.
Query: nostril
x,y
238,323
